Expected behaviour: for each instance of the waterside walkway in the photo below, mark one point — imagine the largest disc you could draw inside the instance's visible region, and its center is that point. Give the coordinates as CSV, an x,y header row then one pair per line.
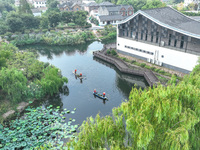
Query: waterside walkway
x,y
124,68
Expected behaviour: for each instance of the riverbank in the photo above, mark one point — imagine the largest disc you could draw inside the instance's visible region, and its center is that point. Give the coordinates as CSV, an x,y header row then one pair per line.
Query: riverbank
x,y
24,78
163,74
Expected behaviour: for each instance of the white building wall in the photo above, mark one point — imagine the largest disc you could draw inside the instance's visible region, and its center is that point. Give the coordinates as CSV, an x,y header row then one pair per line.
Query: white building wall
x,y
170,57
39,4
37,14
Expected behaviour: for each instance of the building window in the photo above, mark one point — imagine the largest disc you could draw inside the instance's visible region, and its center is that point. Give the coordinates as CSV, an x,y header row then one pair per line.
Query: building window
x,y
146,35
131,33
123,32
182,42
157,35
151,37
175,42
141,36
136,36
127,33
169,42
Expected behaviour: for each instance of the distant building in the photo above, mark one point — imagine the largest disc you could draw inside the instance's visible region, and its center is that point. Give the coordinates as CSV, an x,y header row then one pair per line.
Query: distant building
x,y
70,6
161,36
110,19
17,3
72,1
94,6
87,1
39,3
114,13
124,10
91,6
36,12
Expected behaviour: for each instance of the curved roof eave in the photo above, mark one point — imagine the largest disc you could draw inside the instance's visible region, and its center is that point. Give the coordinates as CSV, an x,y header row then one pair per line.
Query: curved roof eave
x,y
161,24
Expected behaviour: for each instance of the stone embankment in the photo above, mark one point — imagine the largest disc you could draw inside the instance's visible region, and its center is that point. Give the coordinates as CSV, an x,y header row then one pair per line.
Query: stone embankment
x,y
20,108
124,68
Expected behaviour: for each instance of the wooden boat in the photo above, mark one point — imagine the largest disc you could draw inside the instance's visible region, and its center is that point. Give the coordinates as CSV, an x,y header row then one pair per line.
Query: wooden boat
x,y
100,96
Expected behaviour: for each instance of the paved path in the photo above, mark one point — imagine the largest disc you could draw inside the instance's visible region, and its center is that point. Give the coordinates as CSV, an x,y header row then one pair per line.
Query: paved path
x,y
124,68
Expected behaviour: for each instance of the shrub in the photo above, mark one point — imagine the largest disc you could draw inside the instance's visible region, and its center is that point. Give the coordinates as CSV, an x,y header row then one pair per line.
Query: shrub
x,y
133,61
27,31
71,24
44,30
148,67
153,68
8,34
108,51
36,30
52,31
157,70
161,71
113,52
142,65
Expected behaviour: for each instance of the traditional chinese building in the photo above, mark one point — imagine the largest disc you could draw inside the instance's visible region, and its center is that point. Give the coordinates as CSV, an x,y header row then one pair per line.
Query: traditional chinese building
x,y
162,36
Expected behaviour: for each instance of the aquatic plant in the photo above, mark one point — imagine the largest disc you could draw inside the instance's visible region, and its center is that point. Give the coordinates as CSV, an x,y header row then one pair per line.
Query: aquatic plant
x,y
37,127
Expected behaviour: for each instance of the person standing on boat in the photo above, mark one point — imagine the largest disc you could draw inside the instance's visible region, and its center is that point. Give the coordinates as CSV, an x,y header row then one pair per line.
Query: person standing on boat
x,y
95,92
104,94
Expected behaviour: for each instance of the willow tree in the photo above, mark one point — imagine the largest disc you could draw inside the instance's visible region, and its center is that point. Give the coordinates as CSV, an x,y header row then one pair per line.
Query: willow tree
x,y
155,118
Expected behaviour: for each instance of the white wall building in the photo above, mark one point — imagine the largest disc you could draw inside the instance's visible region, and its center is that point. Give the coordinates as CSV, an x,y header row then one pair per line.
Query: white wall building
x,y
162,36
39,3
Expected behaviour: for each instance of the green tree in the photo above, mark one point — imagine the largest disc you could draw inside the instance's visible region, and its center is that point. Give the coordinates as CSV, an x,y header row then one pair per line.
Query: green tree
x,y
155,118
30,21
154,4
13,82
54,18
24,7
66,16
80,17
44,22
5,53
5,6
15,24
3,27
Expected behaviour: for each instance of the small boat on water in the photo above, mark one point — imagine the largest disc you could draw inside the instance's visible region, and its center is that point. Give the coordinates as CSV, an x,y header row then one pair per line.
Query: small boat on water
x,y
99,96
78,75
102,96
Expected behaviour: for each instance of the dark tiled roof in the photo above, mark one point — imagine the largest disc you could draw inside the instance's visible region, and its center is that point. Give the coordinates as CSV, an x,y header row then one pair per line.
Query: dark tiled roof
x,y
92,4
106,4
69,4
35,11
117,7
111,17
175,19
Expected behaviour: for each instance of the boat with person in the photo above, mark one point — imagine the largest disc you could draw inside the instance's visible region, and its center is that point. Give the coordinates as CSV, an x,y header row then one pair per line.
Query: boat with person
x,y
102,96
80,76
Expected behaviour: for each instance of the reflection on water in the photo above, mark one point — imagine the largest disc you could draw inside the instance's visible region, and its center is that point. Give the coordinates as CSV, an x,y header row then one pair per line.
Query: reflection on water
x,y
49,51
97,74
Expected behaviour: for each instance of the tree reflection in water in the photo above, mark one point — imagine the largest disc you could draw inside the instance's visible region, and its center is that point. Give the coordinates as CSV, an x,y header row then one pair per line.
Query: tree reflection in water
x,y
50,50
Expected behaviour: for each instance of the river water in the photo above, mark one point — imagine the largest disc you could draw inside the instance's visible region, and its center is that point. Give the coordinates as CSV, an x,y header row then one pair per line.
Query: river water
x,y
97,74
